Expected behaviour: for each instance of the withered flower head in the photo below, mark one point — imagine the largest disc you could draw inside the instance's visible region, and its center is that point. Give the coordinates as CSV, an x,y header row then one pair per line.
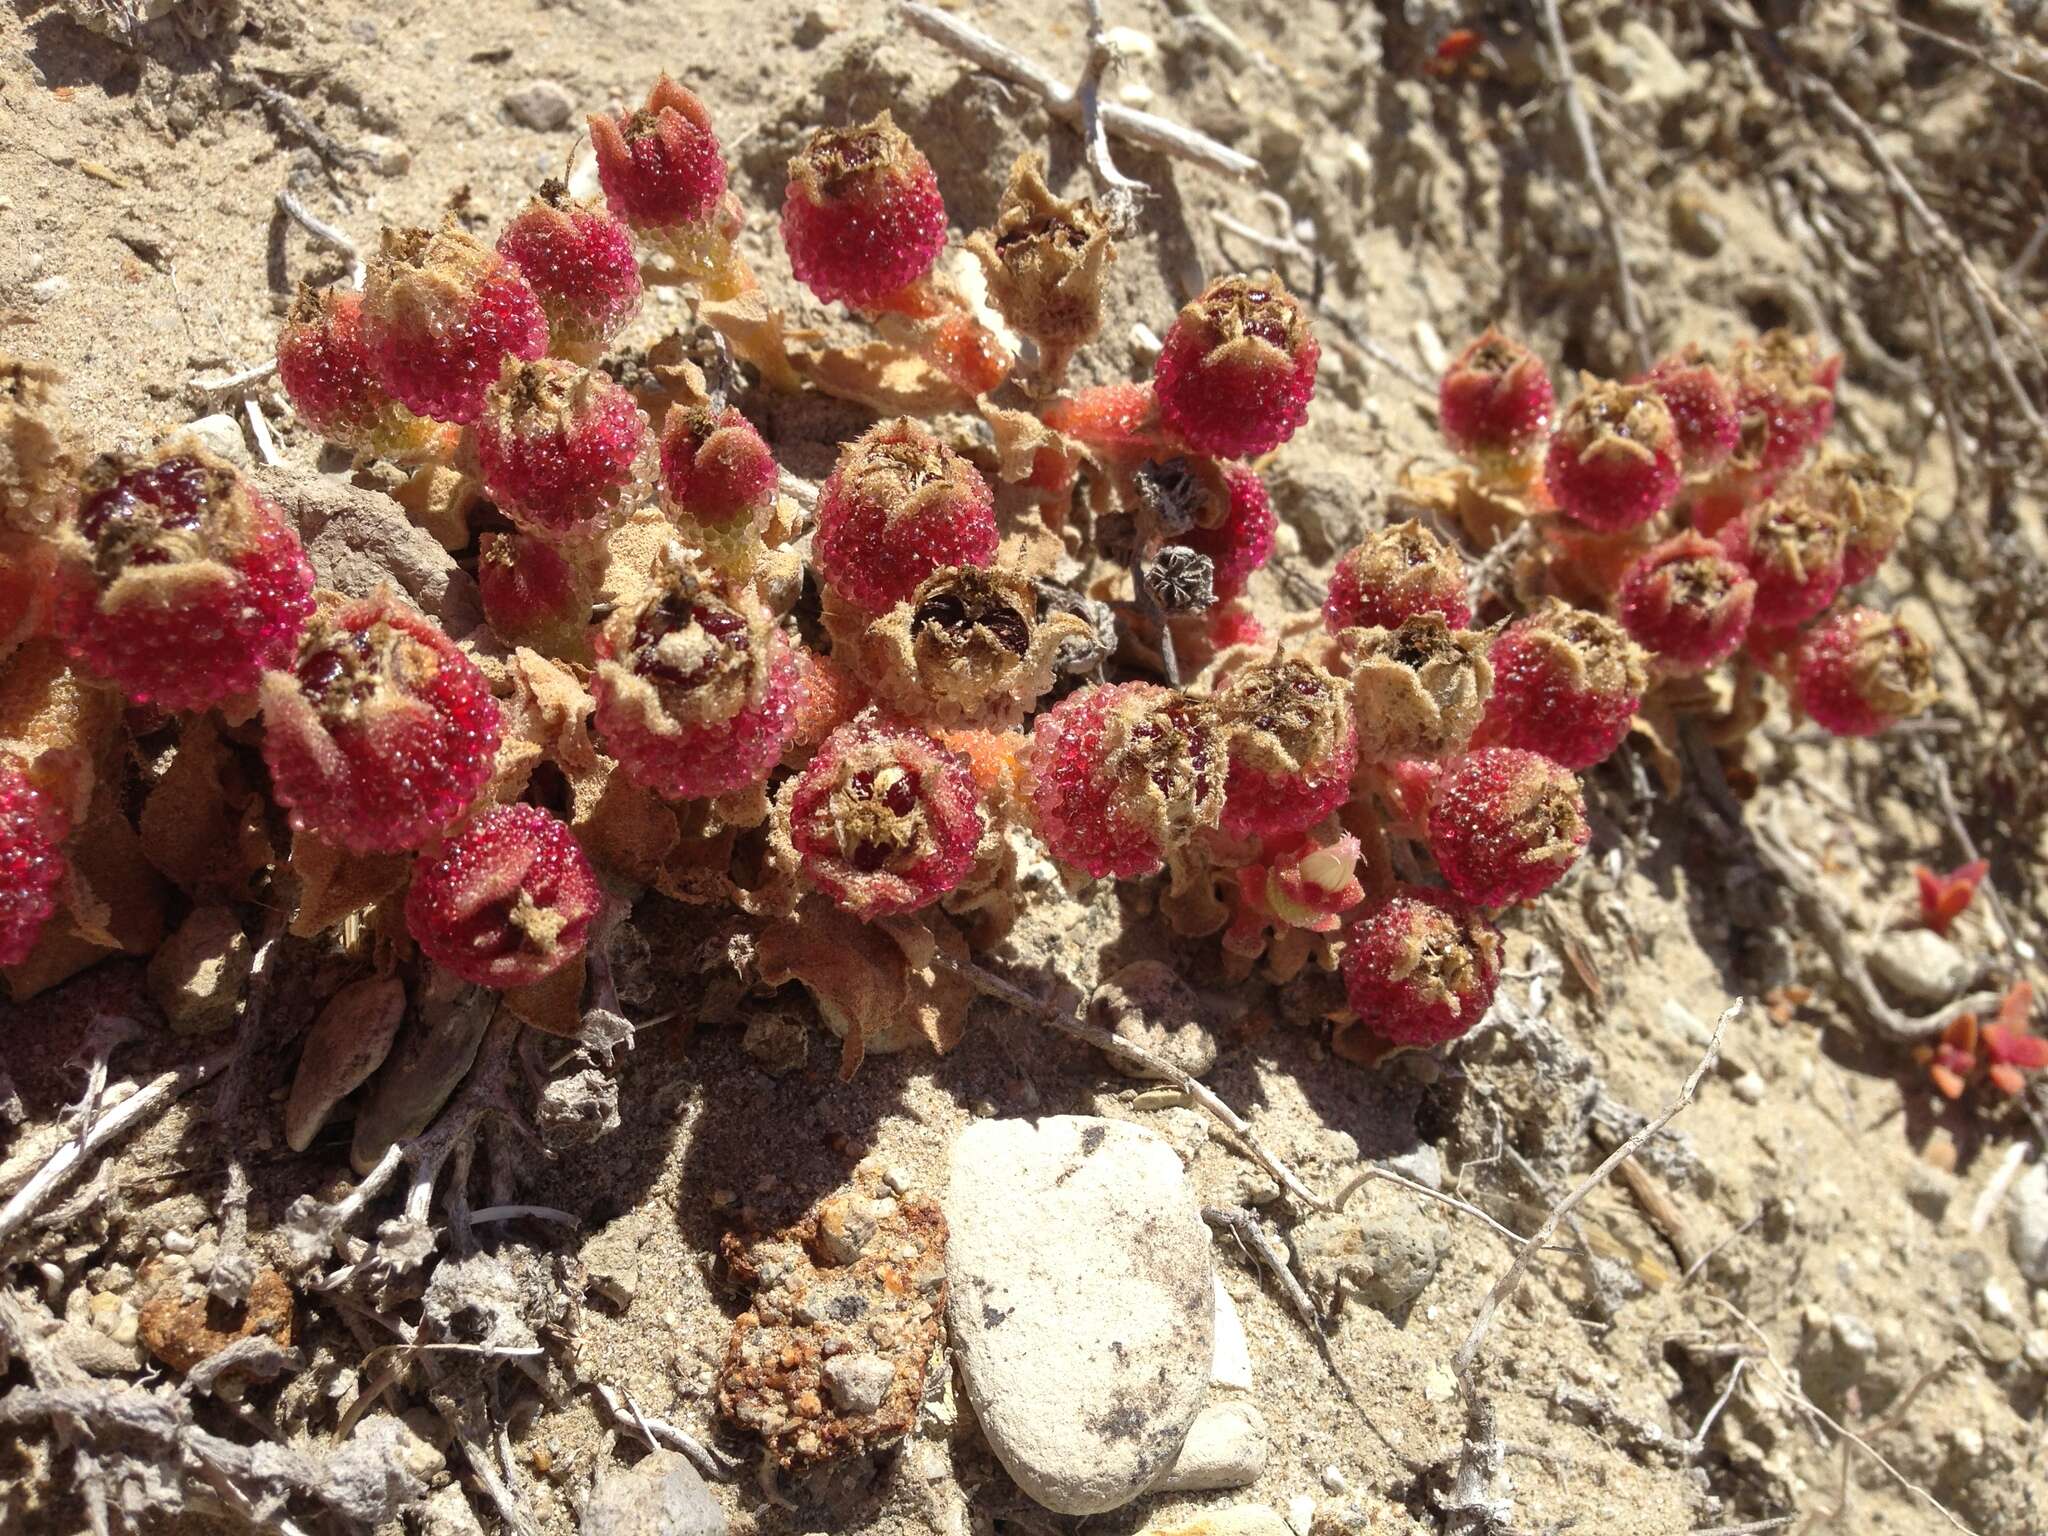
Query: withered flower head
x,y
968,647
1418,689
1045,259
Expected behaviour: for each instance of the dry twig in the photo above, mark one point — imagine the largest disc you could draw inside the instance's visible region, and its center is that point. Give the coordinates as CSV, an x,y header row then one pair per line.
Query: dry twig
x,y
1505,1286
1596,179
1142,128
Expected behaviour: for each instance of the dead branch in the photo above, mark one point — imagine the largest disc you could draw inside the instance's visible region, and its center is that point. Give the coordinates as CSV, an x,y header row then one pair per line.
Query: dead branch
x,y
108,1116
1505,1286
1789,1384
327,234
1243,1226
1596,180
1141,128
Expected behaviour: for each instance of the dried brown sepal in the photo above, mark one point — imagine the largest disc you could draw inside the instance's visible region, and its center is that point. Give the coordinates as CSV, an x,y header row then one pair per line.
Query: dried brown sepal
x,y
1418,690
146,557
441,498
968,649
334,885
554,1004
38,459
1045,260
193,819
1283,717
687,654
880,987
59,723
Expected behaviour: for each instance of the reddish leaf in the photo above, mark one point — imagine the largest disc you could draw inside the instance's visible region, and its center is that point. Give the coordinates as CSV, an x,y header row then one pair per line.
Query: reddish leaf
x,y
1944,898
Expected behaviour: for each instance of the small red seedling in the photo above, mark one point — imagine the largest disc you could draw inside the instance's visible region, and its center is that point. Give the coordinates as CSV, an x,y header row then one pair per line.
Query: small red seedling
x,y
696,690
1944,898
1241,540
2004,1049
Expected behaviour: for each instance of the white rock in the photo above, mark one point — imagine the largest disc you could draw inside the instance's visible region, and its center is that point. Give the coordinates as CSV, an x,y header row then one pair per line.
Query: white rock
x,y
1082,1306
541,105
1231,1364
49,288
660,1496
388,156
1920,965
2029,1221
1301,1513
221,435
1225,1448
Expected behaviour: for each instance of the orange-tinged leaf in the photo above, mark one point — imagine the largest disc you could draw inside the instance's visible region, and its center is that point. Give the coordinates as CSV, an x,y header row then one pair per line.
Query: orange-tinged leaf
x,y
1944,898
1950,1085
2016,1005
2007,1080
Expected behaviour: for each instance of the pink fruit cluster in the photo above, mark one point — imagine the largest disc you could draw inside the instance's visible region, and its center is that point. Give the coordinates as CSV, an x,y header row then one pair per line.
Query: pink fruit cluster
x,y
867,700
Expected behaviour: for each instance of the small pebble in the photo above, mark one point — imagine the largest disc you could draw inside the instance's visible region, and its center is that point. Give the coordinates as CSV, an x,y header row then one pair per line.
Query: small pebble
x,y
1334,1480
541,105
1301,1513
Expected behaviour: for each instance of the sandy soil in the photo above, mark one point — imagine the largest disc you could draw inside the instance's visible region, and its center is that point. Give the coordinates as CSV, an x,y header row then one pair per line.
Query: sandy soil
x,y
1826,1193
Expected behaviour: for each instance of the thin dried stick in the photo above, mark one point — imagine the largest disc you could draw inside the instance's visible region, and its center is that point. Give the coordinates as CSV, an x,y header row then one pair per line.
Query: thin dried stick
x,y
324,232
1120,192
1505,1286
1833,932
1980,296
1244,1227
106,1124
1596,180
1142,128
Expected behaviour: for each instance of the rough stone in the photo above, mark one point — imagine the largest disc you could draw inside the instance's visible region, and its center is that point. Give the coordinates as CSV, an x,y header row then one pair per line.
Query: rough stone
x,y
542,105
1226,1448
1384,1261
1919,965
858,1279
858,1383
179,1330
1230,1365
661,1496
1083,1304
221,435
359,540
